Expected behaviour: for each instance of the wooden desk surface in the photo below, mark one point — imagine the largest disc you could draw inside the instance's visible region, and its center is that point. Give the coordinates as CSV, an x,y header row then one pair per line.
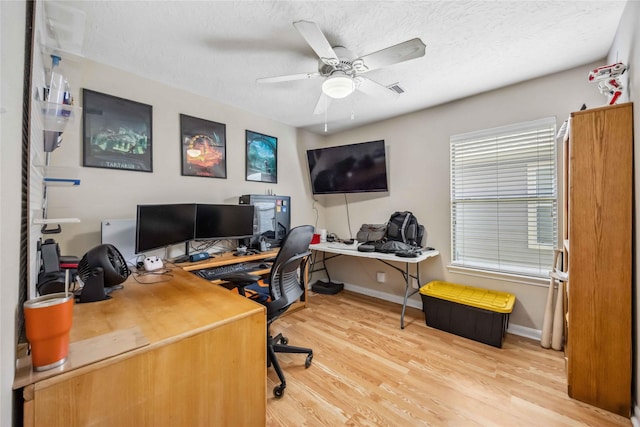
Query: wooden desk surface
x,y
164,310
226,259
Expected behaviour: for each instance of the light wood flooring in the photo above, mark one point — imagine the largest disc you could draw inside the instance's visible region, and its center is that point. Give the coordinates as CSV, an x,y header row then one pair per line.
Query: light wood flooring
x,y
366,371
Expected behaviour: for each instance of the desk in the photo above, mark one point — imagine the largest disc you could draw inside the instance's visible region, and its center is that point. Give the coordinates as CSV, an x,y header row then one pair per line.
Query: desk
x,y
229,258
226,259
337,249
198,358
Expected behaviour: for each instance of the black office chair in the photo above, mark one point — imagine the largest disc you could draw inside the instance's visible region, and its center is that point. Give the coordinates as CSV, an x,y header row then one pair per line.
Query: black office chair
x,y
287,282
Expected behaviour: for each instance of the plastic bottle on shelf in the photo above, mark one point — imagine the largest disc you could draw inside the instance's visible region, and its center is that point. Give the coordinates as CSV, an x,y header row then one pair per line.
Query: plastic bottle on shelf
x,y
67,99
57,86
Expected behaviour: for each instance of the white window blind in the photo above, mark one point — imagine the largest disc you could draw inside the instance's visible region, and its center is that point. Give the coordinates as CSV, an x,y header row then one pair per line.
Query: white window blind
x,y
504,198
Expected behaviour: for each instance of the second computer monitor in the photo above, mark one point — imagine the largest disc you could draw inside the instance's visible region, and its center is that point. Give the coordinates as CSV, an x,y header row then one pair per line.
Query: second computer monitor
x,y
218,222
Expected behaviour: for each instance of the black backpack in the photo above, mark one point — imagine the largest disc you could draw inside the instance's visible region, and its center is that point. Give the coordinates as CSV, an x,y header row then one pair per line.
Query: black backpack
x,y
404,227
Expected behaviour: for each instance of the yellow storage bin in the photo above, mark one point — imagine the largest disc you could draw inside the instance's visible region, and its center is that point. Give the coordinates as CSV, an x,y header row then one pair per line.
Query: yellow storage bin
x,y
475,313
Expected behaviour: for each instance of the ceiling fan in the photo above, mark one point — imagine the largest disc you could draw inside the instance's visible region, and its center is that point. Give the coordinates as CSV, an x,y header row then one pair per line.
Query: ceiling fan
x,y
342,71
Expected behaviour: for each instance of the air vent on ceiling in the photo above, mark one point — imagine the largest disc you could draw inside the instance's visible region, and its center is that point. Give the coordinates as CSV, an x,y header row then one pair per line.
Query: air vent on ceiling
x,y
395,87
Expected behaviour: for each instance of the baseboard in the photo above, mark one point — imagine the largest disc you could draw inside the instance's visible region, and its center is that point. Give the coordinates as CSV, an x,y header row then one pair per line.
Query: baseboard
x,y
635,421
398,299
522,331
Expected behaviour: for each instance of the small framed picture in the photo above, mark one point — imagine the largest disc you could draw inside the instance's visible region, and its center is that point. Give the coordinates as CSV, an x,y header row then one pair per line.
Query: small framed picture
x,y
116,133
203,147
261,157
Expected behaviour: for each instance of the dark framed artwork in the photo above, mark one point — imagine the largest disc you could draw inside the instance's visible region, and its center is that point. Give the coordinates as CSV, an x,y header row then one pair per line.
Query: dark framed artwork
x,y
116,133
261,157
203,147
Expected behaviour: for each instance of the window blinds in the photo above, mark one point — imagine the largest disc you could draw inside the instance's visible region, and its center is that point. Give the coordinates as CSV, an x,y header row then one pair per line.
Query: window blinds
x,y
504,198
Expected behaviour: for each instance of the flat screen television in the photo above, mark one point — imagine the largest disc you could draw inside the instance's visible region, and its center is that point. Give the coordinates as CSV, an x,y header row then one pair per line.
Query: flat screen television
x,y
219,222
353,168
158,226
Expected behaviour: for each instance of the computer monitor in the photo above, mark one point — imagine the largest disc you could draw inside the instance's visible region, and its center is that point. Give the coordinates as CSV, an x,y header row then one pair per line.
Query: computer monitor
x,y
219,222
158,226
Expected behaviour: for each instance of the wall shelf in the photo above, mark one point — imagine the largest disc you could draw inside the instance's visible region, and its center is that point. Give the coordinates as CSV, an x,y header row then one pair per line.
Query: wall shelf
x,y
42,221
62,30
55,117
58,30
60,176
61,182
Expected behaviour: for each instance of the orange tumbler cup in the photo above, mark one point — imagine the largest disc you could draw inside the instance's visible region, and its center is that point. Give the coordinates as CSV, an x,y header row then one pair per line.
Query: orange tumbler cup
x,y
48,321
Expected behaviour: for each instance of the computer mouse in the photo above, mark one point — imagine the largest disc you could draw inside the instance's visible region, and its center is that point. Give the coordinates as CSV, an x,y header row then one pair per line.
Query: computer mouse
x,y
264,265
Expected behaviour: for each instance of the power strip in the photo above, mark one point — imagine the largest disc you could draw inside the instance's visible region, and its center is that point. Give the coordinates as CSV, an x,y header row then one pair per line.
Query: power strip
x,y
199,257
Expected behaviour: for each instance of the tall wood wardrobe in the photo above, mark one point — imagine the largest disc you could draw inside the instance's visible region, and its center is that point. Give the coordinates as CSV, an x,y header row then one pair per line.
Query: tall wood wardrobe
x,y
598,167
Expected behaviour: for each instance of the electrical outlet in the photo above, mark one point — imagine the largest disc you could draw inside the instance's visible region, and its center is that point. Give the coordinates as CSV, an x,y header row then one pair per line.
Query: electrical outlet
x,y
414,283
381,277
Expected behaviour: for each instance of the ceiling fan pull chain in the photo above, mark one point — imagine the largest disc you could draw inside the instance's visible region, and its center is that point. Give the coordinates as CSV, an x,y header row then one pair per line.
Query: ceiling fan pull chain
x,y
326,107
353,108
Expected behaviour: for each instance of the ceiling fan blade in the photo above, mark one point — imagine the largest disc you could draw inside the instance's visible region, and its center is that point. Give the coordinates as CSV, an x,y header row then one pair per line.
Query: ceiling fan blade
x,y
318,42
322,105
401,52
374,89
290,77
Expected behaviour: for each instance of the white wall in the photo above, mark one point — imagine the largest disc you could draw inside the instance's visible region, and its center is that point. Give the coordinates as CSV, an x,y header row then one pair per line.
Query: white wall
x,y
113,194
626,49
418,151
12,27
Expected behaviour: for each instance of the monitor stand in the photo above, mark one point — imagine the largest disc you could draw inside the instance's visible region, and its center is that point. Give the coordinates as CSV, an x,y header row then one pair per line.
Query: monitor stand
x,y
185,257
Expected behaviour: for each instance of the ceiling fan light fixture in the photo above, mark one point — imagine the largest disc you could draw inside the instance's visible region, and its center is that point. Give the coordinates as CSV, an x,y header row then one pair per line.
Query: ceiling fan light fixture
x,y
338,85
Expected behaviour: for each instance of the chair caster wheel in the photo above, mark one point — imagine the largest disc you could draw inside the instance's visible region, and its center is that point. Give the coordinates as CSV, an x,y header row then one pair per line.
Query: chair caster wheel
x,y
278,391
307,362
284,340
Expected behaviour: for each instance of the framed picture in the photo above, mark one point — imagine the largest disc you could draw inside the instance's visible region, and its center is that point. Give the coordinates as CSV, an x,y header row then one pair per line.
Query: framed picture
x,y
262,157
116,133
203,147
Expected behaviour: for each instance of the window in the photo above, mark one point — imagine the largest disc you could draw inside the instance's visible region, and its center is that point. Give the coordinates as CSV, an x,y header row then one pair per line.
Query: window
x,y
504,198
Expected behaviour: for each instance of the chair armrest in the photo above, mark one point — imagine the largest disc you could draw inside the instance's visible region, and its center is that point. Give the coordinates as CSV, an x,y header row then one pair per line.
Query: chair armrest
x,y
240,279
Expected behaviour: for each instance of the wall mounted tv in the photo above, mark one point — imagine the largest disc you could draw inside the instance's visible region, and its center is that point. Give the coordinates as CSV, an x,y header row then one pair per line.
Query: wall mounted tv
x,y
353,168
158,226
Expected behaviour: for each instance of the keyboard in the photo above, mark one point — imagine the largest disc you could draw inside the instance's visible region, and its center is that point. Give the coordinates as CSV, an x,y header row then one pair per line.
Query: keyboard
x,y
215,273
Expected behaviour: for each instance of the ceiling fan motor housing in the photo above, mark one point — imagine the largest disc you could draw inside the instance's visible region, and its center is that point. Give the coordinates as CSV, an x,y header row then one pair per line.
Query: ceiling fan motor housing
x,y
345,65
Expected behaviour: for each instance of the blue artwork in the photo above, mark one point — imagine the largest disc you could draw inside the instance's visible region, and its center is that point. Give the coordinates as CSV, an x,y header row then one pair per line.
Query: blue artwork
x,y
262,157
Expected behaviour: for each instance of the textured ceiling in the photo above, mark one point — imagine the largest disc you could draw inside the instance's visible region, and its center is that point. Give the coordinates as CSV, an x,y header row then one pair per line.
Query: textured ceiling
x,y
219,48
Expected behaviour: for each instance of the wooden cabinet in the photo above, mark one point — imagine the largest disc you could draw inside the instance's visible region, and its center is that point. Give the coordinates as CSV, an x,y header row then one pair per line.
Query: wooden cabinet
x,y
179,352
598,229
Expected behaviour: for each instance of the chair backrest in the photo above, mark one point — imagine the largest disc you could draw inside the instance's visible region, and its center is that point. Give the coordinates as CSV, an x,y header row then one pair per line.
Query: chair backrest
x,y
287,279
